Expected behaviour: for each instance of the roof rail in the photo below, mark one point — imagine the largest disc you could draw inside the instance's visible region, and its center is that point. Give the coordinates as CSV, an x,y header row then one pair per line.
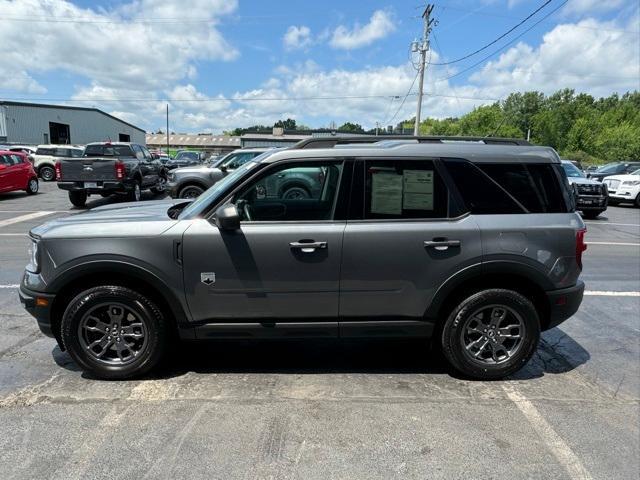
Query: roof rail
x,y
330,142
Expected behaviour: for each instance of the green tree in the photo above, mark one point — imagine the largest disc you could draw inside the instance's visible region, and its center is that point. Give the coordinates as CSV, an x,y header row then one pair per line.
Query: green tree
x,y
351,127
288,124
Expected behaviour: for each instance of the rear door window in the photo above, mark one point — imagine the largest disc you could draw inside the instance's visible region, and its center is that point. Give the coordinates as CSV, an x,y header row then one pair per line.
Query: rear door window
x,y
44,151
404,189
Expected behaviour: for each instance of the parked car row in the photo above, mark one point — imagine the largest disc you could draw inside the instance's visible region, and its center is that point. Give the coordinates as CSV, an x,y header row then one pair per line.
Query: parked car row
x,y
17,173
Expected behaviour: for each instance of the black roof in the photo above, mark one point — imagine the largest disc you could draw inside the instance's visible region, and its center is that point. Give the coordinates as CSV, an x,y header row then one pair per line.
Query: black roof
x,y
68,107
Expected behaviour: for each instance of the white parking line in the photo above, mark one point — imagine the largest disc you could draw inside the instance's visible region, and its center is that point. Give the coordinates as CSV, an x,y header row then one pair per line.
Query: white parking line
x,y
14,234
563,453
615,244
13,285
602,293
30,211
24,218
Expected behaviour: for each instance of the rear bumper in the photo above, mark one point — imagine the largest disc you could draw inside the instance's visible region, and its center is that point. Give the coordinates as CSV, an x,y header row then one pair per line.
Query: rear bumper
x,y
37,309
102,186
564,303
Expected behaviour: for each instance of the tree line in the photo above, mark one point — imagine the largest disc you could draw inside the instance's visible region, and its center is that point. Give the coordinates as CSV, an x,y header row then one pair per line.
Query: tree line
x,y
578,126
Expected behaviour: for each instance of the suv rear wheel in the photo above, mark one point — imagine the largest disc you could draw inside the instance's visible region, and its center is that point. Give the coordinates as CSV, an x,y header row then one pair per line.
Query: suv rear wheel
x,y
114,332
491,334
47,173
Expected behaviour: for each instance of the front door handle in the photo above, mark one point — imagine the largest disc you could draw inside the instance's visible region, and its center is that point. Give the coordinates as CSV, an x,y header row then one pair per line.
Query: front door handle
x,y
307,246
441,243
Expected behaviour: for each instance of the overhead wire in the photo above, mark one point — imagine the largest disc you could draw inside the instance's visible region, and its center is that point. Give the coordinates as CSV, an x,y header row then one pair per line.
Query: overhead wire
x,y
496,40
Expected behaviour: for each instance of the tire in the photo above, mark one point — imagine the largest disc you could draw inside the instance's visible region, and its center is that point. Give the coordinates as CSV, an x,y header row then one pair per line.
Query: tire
x,y
190,191
637,202
294,192
89,315
591,214
47,173
78,198
161,186
135,195
105,195
468,328
32,186
613,203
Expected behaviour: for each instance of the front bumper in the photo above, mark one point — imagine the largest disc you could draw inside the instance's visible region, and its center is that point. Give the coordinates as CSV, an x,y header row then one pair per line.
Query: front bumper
x,y
172,189
564,303
591,202
39,306
624,194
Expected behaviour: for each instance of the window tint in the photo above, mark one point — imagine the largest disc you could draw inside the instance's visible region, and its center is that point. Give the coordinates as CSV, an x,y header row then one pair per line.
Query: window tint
x,y
17,159
479,194
44,151
508,187
292,193
5,160
571,170
61,152
396,189
239,159
535,186
76,152
108,151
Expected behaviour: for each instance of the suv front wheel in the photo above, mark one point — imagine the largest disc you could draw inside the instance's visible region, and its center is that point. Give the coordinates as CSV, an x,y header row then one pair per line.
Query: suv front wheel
x,y
491,334
114,332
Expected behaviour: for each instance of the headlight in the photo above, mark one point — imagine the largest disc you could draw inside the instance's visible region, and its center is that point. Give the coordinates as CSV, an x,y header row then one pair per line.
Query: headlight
x,y
631,183
33,256
171,176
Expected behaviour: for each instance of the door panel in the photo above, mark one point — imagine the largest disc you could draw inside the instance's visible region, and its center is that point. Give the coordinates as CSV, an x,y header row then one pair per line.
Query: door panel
x,y
388,271
259,275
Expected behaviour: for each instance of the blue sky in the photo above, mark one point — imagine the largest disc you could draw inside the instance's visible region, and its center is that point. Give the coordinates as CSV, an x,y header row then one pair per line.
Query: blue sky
x,y
217,61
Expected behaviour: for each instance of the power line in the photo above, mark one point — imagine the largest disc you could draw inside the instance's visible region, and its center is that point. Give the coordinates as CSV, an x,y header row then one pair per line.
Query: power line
x,y
499,15
237,99
504,46
404,100
497,39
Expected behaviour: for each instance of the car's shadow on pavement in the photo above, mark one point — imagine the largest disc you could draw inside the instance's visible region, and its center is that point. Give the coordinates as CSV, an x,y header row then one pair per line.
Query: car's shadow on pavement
x,y
558,353
98,201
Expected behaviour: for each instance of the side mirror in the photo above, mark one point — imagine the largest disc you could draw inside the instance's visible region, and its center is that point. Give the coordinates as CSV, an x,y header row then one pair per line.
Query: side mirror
x,y
227,218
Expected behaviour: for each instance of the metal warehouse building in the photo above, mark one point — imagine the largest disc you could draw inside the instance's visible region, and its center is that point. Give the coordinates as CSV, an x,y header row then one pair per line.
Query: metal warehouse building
x,y
35,123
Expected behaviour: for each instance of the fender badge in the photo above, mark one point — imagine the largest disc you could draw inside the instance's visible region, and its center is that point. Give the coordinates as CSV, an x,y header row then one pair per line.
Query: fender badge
x,y
208,278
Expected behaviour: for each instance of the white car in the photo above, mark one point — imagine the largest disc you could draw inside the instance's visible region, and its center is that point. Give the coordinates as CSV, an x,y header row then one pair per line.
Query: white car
x,y
624,188
44,160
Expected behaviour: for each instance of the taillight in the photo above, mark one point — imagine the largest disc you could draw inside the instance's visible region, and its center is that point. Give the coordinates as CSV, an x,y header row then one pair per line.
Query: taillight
x,y
119,170
581,246
58,170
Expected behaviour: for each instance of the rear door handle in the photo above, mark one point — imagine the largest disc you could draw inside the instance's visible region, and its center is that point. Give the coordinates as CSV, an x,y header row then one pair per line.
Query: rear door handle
x,y
441,244
308,247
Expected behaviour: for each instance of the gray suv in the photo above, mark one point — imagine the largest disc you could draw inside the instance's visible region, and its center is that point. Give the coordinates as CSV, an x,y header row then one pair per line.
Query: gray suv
x,y
475,245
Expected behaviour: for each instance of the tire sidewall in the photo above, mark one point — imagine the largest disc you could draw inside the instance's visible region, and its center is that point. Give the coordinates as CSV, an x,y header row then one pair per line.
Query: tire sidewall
x,y
33,186
148,313
190,187
452,331
47,168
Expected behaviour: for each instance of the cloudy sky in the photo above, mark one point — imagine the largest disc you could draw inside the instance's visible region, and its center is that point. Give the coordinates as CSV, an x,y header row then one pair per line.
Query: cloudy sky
x,y
221,64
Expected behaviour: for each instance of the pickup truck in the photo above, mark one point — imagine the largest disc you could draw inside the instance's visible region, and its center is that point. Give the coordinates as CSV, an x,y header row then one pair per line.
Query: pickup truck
x,y
106,168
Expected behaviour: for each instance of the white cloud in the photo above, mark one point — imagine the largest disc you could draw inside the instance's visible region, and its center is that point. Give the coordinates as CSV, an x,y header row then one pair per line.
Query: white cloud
x,y
297,37
380,25
113,48
589,56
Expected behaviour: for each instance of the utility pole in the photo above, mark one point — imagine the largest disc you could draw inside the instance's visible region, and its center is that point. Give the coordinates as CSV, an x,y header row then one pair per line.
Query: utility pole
x,y
167,129
422,47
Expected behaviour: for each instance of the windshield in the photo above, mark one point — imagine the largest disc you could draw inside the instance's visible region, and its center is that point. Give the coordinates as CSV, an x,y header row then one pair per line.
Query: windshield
x,y
213,194
571,170
608,168
187,156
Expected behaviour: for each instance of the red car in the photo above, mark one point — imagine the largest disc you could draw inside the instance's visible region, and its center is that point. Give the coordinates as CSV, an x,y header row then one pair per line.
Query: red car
x,y
16,173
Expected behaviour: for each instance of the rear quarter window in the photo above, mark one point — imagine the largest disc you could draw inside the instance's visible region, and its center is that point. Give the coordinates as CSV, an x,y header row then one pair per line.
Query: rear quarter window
x,y
504,188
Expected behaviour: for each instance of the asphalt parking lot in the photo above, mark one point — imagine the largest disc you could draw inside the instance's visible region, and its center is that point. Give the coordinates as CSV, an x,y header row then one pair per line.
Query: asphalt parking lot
x,y
329,409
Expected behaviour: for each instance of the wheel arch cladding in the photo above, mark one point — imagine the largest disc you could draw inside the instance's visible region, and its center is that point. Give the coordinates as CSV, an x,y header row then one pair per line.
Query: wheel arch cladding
x,y
474,279
83,278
